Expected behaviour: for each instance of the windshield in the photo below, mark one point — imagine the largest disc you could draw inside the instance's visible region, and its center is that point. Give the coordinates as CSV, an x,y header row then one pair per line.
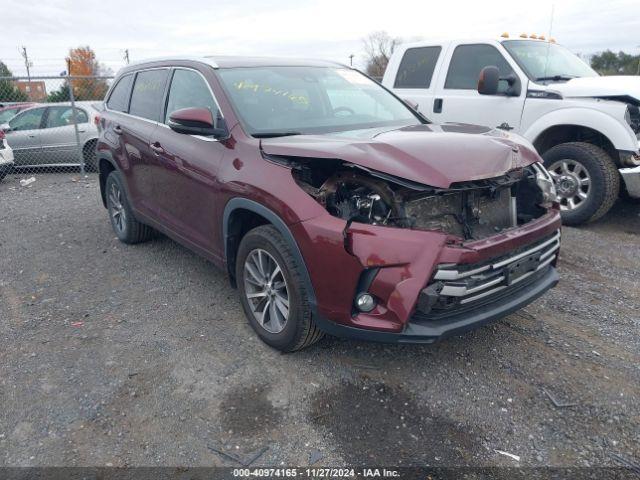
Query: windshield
x,y
545,61
274,101
8,114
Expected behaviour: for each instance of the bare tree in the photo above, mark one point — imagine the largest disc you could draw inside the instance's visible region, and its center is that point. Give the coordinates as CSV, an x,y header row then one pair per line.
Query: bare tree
x,y
378,47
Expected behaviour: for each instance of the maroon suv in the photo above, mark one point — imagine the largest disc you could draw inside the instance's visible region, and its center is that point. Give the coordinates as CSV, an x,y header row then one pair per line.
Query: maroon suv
x,y
333,205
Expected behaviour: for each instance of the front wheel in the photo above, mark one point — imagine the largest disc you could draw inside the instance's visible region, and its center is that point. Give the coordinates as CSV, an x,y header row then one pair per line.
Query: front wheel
x,y
586,180
273,292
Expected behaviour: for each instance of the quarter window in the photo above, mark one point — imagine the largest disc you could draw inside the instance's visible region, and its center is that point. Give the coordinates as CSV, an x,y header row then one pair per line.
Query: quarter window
x,y
189,90
63,116
28,120
119,98
417,67
148,91
468,60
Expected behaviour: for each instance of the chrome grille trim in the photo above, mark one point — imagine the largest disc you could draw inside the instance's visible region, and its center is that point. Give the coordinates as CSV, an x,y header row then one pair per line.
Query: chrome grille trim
x,y
477,283
447,274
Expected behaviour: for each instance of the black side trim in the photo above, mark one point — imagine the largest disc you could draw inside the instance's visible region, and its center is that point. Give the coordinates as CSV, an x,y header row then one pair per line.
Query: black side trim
x,y
276,221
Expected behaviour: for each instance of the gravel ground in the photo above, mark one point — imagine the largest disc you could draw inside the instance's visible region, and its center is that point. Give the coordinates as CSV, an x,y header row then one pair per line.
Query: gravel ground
x,y
140,355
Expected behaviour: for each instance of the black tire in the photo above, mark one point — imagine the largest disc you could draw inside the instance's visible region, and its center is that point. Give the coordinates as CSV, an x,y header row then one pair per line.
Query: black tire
x,y
605,180
90,156
129,230
299,330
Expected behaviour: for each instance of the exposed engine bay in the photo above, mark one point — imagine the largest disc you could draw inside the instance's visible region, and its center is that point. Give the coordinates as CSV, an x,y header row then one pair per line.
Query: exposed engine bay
x,y
469,210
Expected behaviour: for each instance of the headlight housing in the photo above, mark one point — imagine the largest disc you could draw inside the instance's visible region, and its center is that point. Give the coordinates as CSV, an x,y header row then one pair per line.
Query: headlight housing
x,y
546,185
632,117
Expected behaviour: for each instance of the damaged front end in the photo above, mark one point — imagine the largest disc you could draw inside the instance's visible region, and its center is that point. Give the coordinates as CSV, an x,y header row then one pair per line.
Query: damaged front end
x,y
470,210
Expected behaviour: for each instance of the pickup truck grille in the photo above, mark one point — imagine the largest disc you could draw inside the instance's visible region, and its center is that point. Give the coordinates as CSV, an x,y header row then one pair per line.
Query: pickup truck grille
x,y
456,288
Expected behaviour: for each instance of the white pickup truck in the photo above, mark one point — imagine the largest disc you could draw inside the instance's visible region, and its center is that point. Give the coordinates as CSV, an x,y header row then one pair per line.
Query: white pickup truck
x,y
586,127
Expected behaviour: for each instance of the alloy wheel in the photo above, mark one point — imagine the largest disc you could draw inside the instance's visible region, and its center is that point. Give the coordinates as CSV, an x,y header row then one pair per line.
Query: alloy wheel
x,y
116,209
572,181
266,290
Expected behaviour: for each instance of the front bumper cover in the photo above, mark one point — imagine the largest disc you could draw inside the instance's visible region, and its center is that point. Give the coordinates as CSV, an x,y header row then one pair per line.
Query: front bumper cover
x,y
431,331
631,178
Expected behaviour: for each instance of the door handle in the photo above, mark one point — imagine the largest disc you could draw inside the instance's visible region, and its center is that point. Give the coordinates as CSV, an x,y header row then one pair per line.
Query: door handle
x,y
157,148
437,105
117,130
31,136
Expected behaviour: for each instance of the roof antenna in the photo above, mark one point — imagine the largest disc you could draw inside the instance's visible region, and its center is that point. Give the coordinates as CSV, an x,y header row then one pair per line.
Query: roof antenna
x,y
549,37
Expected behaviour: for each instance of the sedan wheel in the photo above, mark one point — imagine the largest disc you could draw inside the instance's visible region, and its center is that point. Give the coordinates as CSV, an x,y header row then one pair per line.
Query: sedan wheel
x,y
266,290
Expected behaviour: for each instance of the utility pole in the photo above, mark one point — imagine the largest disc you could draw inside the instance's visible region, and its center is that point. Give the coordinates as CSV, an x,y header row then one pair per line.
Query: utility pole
x,y
351,60
28,64
126,56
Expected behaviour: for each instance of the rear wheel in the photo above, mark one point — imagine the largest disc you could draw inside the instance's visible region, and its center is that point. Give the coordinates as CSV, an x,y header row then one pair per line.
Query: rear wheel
x,y
272,290
586,180
123,222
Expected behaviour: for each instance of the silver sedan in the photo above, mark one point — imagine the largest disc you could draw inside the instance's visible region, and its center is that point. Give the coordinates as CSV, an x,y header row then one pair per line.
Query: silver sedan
x,y
44,135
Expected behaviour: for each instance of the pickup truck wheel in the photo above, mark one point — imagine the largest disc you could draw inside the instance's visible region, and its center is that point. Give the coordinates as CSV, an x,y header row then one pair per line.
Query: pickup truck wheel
x,y
272,291
586,180
123,222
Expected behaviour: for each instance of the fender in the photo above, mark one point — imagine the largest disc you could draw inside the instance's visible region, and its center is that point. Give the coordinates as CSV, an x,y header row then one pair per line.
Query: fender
x,y
622,138
246,204
106,155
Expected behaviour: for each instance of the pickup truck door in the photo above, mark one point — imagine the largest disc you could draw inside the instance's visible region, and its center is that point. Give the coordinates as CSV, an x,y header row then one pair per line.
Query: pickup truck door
x,y
415,75
457,98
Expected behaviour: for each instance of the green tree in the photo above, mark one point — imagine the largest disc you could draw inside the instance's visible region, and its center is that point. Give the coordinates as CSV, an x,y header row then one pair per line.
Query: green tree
x,y
61,94
611,63
8,91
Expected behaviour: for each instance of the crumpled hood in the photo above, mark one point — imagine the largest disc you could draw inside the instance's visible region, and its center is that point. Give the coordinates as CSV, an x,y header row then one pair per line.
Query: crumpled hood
x,y
435,155
612,86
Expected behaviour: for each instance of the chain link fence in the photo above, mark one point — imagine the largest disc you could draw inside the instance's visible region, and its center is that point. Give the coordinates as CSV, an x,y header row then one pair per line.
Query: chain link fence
x,y
50,124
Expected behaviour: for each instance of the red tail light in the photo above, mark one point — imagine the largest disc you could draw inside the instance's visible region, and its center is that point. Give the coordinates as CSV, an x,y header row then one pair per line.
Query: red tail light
x,y
2,135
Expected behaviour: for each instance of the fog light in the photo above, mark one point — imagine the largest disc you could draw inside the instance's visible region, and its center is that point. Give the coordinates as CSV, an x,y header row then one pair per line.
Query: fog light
x,y
365,302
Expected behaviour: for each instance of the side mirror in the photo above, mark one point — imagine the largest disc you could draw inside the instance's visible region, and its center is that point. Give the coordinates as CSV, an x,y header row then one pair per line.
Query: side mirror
x,y
197,121
411,104
5,127
489,80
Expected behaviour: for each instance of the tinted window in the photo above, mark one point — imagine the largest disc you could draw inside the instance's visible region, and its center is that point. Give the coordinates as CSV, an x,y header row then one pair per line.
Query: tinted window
x,y
189,89
148,90
119,98
63,116
416,67
468,60
27,120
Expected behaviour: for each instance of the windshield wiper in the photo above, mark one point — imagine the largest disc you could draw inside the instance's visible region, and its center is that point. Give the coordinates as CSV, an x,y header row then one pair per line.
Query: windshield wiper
x,y
556,78
275,134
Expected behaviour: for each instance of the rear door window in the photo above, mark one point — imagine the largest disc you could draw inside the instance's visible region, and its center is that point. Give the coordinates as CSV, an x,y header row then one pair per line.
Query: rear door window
x,y
417,67
63,117
119,98
147,95
468,60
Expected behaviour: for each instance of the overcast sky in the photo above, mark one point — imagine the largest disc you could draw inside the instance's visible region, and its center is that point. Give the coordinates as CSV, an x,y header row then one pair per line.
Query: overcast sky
x,y
330,29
